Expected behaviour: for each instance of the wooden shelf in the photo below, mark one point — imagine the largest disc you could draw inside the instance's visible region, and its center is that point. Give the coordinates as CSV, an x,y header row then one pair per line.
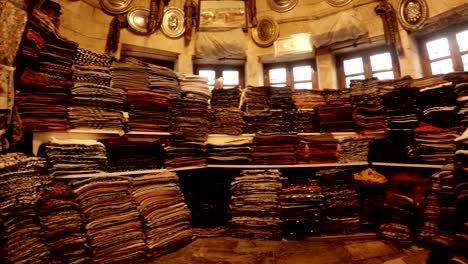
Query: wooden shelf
x,y
251,166
409,165
145,133
122,173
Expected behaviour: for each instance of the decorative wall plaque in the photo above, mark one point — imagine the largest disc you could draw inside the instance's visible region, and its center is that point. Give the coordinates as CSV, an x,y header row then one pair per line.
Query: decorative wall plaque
x,y
116,7
173,22
137,20
412,14
266,32
338,3
282,6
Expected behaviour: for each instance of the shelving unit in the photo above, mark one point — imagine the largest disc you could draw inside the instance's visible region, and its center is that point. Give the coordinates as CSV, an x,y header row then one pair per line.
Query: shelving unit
x,y
409,165
288,166
122,173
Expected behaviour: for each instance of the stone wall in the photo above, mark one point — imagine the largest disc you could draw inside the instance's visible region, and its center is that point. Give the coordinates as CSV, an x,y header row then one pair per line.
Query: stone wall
x,y
84,22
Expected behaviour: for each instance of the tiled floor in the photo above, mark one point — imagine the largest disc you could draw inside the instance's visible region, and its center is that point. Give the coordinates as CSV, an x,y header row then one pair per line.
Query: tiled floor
x,y
335,250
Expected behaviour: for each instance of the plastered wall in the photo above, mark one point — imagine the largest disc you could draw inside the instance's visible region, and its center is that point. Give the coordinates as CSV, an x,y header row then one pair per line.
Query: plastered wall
x,y
84,22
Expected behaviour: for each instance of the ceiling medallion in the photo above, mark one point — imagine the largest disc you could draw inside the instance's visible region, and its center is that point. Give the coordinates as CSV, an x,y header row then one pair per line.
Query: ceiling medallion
x,y
338,3
282,6
266,32
173,22
412,14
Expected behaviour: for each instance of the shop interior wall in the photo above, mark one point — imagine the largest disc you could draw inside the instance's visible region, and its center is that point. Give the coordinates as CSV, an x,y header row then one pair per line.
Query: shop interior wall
x,y
83,21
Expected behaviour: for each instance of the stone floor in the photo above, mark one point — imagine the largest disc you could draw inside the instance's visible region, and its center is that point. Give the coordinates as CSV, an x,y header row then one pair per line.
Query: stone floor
x,y
362,249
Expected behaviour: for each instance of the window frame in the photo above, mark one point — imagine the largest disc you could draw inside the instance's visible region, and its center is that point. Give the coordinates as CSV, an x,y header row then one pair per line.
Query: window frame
x,y
289,66
219,68
365,54
455,53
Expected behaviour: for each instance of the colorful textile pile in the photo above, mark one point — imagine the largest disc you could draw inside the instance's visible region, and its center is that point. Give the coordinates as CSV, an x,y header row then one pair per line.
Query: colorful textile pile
x,y
304,121
461,91
13,21
281,98
368,112
185,154
268,122
401,110
225,98
314,149
63,228
403,200
255,100
308,99
435,145
226,121
228,151
437,106
74,156
127,153
255,206
274,149
338,118
112,220
354,149
94,103
164,213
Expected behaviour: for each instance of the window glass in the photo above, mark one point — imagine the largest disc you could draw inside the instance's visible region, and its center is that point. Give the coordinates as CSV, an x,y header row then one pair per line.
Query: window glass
x,y
231,78
302,73
465,62
210,74
277,75
357,77
306,85
353,66
382,61
442,66
438,48
384,75
462,39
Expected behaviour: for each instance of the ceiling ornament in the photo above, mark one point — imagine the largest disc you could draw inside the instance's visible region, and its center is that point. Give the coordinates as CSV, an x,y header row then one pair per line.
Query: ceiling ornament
x,y
282,6
412,14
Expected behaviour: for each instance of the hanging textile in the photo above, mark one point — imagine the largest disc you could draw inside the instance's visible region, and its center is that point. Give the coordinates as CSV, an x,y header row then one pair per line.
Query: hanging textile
x,y
113,36
12,23
221,44
190,11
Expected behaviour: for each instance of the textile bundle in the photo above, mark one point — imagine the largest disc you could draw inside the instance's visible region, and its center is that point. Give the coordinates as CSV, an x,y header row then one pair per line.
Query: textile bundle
x,y
281,98
226,121
63,228
185,154
207,195
23,183
267,122
461,91
225,98
13,21
307,99
112,220
127,153
336,118
401,110
228,151
164,213
368,112
304,121
255,206
354,149
44,85
313,149
94,103
274,149
255,100
403,199
341,200
74,156
435,145
437,106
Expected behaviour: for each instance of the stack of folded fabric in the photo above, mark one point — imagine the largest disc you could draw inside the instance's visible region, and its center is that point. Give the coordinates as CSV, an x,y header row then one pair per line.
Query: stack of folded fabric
x,y
281,98
461,91
191,120
399,147
207,196
74,156
370,186
302,210
94,103
226,121
255,206
314,149
304,121
225,98
268,122
402,203
308,99
126,76
185,154
228,151
341,200
400,106
354,149
274,149
368,109
44,84
461,184
23,183
112,220
337,97
336,118
255,100
437,105
164,81
435,144
127,153
63,227
195,88
164,213
91,58
447,200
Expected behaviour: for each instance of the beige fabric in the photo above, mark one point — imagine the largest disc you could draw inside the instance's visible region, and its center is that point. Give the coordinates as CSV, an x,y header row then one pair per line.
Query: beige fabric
x,y
221,44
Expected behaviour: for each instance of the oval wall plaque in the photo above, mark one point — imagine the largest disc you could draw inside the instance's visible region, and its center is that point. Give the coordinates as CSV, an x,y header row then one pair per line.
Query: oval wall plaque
x,y
266,32
338,2
412,14
173,22
282,6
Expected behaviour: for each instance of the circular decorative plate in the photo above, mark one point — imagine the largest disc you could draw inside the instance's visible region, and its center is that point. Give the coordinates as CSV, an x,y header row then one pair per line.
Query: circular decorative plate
x,y
116,7
282,6
412,14
173,22
266,32
137,20
338,2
